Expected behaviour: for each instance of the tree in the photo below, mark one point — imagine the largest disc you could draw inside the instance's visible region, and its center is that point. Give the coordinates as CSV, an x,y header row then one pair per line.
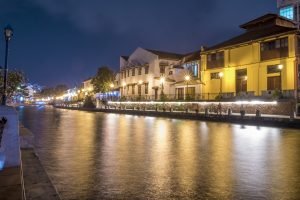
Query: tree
x,y
60,89
54,91
101,82
15,78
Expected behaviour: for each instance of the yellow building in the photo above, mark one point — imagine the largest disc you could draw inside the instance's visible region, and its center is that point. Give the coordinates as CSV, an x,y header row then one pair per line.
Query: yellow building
x,y
263,61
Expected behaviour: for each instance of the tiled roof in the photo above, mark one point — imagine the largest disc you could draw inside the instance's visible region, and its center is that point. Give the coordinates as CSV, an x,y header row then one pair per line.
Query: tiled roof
x,y
192,56
249,36
257,33
125,57
166,55
265,19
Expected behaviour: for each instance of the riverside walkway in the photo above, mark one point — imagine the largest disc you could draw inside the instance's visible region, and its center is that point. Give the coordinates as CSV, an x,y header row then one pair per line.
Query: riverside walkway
x,y
31,178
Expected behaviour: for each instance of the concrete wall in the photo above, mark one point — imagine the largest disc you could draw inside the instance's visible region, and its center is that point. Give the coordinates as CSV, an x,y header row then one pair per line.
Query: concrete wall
x,y
10,146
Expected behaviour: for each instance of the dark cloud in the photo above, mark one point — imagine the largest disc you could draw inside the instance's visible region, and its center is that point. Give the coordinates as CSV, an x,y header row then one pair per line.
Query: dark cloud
x,y
66,40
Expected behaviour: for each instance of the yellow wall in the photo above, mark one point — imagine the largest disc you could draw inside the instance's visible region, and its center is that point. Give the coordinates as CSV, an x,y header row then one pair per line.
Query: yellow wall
x,y
248,56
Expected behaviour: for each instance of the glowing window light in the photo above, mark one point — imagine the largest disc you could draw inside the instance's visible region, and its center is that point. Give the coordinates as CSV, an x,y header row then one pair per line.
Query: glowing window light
x,y
287,12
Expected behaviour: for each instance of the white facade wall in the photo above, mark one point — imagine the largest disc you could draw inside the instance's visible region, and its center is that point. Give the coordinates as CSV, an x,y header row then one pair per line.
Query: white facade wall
x,y
140,58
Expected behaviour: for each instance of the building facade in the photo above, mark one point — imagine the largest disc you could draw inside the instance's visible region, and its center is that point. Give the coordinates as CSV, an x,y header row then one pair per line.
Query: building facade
x,y
156,75
263,61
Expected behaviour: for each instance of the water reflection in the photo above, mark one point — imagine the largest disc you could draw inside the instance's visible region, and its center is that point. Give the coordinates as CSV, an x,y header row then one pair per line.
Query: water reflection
x,y
110,156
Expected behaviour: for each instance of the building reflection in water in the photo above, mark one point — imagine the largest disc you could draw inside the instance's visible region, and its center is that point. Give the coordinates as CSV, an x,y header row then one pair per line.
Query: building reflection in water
x,y
110,156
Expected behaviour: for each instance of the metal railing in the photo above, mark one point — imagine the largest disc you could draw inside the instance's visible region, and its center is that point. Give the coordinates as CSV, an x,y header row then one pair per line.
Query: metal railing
x,y
225,96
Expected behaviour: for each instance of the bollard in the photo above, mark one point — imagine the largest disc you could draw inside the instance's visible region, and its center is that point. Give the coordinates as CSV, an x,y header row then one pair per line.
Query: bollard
x,y
171,109
257,113
229,111
206,112
186,110
243,113
196,110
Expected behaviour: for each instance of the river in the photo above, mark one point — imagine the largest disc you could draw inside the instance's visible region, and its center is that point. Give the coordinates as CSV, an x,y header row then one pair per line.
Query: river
x,y
110,156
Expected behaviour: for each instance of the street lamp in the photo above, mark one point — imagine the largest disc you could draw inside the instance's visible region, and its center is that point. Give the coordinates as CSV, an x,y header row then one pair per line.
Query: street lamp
x,y
187,78
221,76
280,67
8,33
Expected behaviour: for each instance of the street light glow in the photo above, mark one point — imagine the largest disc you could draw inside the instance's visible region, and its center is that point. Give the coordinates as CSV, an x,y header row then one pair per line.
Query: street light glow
x,y
111,85
187,77
162,80
280,67
221,74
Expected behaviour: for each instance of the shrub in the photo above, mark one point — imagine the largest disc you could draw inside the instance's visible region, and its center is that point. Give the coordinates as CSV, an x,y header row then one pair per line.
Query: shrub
x,y
88,102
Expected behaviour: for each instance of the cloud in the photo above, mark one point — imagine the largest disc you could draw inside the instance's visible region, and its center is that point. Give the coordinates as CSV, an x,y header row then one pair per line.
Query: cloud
x,y
94,16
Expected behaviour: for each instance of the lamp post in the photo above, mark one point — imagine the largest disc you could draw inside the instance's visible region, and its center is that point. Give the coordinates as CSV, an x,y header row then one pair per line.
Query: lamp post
x,y
280,67
221,76
8,33
187,78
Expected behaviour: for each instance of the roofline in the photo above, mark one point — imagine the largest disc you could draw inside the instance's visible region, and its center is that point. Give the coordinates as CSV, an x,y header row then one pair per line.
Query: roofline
x,y
243,26
238,44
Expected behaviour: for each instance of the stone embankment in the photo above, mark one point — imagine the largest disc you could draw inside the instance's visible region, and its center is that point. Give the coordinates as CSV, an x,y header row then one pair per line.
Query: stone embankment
x,y
238,118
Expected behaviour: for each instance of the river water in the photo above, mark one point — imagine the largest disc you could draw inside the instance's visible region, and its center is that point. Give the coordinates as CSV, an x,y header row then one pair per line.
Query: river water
x,y
109,156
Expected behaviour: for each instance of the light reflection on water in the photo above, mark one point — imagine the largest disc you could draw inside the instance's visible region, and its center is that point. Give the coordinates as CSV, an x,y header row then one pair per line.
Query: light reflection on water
x,y
110,156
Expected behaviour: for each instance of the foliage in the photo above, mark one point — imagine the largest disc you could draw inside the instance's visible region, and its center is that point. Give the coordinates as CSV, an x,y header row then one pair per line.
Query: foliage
x,y
163,97
218,97
277,94
15,78
54,91
104,77
88,102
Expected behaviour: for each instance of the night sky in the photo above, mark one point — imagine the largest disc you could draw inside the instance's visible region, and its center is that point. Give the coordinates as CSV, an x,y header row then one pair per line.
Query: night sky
x,y
65,41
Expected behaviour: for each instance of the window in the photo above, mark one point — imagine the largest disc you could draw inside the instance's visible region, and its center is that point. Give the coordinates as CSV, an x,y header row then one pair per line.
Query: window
x,y
133,72
274,49
241,80
179,93
170,72
274,83
146,69
214,75
124,74
146,88
192,67
132,89
215,60
271,69
139,89
140,71
162,69
128,71
287,12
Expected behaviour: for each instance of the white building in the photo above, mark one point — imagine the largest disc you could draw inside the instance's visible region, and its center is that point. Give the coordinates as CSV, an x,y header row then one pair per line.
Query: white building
x,y
153,75
87,85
